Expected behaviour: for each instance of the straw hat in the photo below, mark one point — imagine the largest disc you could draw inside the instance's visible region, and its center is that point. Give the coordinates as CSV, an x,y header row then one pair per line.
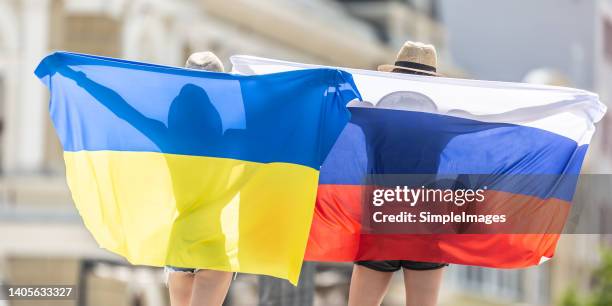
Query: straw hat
x,y
415,57
205,61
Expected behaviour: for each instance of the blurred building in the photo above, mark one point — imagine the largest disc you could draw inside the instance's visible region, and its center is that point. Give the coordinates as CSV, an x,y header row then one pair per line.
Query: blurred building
x,y
42,238
396,21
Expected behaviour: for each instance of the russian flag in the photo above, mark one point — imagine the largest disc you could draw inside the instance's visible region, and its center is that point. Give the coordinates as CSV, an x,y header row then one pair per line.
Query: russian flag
x,y
522,144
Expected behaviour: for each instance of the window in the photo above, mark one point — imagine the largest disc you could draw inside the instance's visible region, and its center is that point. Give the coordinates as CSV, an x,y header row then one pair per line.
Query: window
x,y
490,283
92,34
2,106
607,38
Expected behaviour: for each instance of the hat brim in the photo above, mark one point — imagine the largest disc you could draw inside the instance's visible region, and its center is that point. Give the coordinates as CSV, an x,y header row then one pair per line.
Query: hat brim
x,y
390,68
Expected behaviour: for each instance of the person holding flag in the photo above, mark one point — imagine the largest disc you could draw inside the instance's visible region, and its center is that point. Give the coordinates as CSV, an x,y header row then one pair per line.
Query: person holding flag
x,y
522,145
166,172
370,279
188,286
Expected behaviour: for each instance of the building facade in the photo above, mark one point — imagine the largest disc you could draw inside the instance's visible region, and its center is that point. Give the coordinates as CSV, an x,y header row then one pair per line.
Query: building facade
x,y
42,238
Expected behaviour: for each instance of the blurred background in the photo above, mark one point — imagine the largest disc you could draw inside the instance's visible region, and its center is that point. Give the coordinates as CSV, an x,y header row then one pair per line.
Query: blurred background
x,y
42,238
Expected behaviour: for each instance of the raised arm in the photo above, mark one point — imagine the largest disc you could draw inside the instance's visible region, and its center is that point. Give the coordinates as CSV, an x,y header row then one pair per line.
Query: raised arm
x,y
151,128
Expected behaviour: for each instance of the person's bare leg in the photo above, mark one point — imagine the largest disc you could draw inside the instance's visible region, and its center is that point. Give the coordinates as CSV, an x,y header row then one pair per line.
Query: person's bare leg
x,y
210,287
368,287
180,287
422,287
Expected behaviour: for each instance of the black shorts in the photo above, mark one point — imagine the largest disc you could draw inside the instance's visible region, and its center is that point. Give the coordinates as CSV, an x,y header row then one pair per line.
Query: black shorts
x,y
394,265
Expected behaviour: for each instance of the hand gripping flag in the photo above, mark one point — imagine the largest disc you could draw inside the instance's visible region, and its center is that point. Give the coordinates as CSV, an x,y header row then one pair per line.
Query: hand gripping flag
x,y
171,166
521,145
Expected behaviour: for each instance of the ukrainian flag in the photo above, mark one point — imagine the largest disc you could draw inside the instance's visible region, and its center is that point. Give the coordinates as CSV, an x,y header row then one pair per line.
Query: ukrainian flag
x,y
170,166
